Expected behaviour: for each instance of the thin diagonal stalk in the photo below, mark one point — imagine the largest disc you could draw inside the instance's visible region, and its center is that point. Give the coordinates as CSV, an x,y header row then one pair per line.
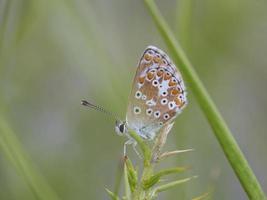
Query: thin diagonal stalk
x,y
220,128
184,14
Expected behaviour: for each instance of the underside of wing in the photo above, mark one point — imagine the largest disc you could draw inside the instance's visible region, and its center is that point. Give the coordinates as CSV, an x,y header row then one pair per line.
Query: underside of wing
x,y
158,94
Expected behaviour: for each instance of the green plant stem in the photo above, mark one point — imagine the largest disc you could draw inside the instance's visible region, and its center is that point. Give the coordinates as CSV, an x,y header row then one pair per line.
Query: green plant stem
x,y
184,14
230,147
126,184
140,193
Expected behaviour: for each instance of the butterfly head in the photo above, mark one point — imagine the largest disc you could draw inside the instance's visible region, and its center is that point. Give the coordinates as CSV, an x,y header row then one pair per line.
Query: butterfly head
x,y
120,127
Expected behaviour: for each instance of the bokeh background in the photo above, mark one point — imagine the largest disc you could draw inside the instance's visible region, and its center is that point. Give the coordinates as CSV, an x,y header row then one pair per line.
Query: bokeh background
x,y
54,53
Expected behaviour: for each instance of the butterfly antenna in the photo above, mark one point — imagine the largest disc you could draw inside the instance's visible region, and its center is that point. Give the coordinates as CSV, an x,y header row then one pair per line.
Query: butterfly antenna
x,y
98,108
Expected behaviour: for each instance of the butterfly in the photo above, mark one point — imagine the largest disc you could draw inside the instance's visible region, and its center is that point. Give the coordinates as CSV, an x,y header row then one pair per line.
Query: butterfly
x,y
157,97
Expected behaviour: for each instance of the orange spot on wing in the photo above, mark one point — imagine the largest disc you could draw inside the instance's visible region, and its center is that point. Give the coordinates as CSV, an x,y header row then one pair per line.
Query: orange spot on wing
x,y
182,104
171,83
147,57
160,73
167,76
157,59
174,92
178,102
150,75
141,79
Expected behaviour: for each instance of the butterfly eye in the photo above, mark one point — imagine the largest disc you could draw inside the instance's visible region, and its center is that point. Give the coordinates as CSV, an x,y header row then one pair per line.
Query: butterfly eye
x,y
149,111
122,128
164,101
157,114
166,116
137,110
155,83
138,94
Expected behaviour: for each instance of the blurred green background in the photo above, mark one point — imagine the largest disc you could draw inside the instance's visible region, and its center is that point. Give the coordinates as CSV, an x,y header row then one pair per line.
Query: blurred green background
x,y
55,53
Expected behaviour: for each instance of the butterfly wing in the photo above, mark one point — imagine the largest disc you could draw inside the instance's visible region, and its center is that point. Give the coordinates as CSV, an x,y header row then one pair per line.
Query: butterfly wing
x,y
158,94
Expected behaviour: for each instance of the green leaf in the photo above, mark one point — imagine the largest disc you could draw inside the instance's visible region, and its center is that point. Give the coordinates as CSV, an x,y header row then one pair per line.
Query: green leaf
x,y
171,185
132,174
224,136
112,195
148,183
126,184
172,153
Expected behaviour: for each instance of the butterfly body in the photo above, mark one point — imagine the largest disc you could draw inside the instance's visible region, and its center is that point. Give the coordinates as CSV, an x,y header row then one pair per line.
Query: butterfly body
x,y
158,94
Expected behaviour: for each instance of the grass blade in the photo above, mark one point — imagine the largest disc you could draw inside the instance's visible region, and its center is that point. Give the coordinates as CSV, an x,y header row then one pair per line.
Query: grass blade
x,y
230,147
148,183
112,195
172,184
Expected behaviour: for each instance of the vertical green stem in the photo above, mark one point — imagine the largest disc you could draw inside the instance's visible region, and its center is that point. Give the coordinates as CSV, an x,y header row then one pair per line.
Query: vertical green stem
x,y
230,147
126,184
140,193
148,171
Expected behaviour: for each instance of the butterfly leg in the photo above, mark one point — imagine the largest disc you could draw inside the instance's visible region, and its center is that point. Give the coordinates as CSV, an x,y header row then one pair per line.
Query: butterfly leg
x,y
136,151
130,141
134,143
